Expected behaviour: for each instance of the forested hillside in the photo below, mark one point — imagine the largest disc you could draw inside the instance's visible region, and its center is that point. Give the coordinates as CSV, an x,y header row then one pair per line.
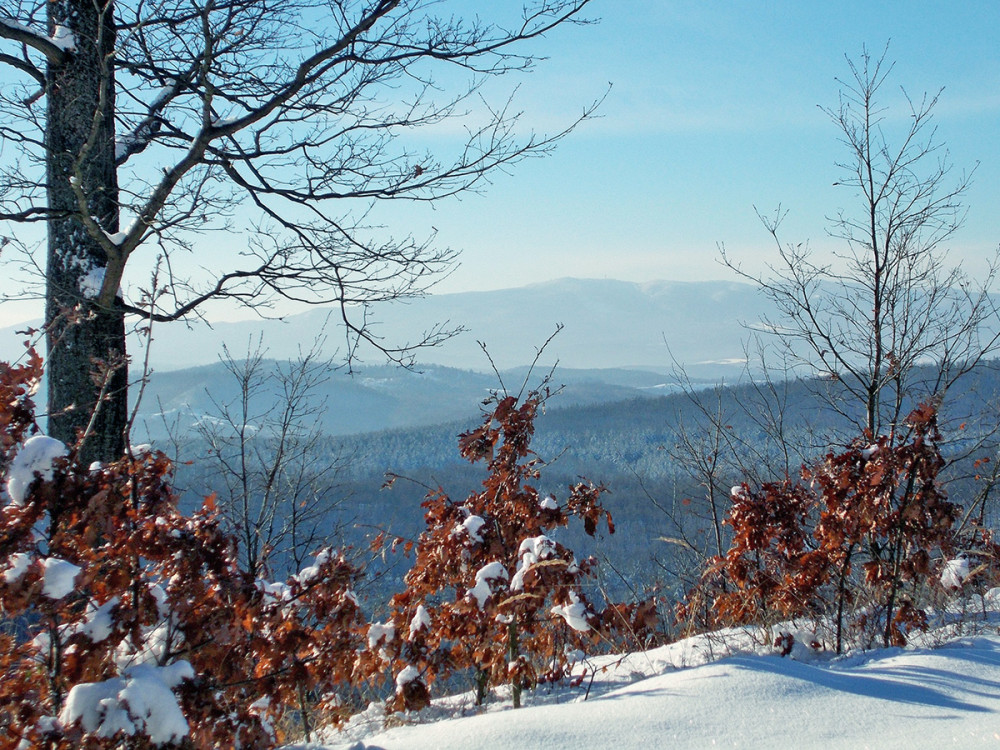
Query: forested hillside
x,y
375,398
635,447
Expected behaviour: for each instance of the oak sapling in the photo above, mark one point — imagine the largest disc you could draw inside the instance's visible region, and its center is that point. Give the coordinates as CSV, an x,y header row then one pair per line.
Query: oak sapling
x,y
862,535
135,624
490,590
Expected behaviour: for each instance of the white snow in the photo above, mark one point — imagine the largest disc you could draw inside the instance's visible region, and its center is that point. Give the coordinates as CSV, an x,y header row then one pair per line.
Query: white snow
x,y
63,38
548,503
35,456
158,641
140,702
90,285
379,630
10,23
117,238
143,132
310,573
163,93
924,696
98,624
529,552
409,674
574,613
160,596
490,572
19,563
123,143
954,572
421,621
472,525
536,548
59,576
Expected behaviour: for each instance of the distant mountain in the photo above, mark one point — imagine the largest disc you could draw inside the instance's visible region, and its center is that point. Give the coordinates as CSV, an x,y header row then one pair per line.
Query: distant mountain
x,y
378,398
607,324
635,447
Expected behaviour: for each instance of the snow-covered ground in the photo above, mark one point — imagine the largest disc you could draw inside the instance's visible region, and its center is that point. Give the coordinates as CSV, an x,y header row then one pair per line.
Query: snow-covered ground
x,y
943,691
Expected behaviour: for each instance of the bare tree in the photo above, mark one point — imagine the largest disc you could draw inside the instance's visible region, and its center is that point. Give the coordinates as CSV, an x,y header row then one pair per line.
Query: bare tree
x,y
725,435
166,119
886,321
879,326
268,460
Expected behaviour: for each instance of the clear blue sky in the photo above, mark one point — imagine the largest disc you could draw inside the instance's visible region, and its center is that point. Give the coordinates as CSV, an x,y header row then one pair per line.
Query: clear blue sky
x,y
713,110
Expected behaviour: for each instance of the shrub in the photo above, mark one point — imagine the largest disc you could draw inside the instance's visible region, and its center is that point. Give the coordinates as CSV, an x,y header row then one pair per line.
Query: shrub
x,y
864,531
132,624
490,590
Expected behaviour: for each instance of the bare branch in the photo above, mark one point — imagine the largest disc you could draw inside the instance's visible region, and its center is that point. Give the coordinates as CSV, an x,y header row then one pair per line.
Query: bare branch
x,y
11,29
283,121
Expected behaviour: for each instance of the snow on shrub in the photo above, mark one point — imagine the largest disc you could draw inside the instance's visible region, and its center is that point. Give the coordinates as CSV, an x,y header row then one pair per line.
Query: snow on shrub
x,y
33,460
485,576
59,577
139,703
378,632
576,613
421,621
471,526
134,624
490,591
954,573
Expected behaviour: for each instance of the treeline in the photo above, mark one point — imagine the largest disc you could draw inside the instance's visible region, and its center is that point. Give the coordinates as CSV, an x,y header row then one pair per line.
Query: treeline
x,y
632,447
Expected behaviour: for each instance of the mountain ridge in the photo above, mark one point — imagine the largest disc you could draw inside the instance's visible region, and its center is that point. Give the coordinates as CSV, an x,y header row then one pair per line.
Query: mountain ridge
x,y
606,323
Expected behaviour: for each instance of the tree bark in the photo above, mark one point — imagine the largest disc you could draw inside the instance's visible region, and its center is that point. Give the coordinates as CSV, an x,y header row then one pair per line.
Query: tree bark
x,y
82,337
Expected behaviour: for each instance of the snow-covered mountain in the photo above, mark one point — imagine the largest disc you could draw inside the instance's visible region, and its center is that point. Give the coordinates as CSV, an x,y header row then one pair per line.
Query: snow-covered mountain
x,y
607,324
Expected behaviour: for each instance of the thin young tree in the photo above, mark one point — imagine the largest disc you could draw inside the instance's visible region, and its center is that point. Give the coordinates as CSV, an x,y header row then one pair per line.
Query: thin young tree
x,y
129,128
276,490
875,314
890,327
490,590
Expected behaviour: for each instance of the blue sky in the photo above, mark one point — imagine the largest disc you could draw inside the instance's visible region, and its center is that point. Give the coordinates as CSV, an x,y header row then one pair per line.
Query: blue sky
x,y
713,109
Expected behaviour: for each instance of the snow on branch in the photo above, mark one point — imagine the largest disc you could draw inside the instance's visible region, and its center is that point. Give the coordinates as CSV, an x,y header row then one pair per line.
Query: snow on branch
x,y
55,47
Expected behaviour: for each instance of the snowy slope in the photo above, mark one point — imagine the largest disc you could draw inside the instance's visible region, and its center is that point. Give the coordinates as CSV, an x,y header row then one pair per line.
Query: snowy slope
x,y
930,697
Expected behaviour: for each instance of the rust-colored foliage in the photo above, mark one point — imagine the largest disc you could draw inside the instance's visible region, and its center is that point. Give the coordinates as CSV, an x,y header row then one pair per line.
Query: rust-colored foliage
x,y
154,588
489,590
17,415
875,509
635,624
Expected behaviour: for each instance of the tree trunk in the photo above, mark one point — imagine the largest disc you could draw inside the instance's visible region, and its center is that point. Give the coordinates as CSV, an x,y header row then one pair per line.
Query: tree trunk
x,y
513,652
842,597
80,138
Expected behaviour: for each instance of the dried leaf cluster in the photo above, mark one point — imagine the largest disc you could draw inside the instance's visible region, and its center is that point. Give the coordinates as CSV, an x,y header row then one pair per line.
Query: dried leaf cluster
x,y
103,583
491,590
108,592
860,538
